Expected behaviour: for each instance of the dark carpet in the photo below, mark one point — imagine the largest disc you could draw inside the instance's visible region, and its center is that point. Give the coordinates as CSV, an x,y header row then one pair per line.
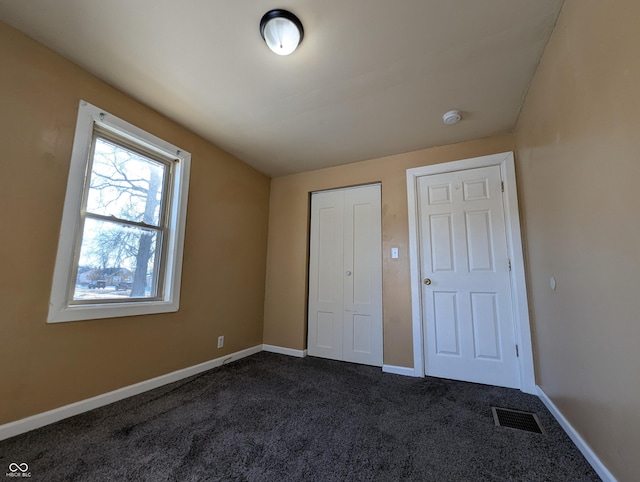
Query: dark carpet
x,y
275,418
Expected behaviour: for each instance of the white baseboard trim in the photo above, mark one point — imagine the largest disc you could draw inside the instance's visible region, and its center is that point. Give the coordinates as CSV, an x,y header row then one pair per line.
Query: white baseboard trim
x,y
588,453
407,372
40,420
284,351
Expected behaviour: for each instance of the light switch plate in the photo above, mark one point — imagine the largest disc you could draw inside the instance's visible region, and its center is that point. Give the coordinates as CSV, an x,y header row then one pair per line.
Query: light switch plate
x,y
394,253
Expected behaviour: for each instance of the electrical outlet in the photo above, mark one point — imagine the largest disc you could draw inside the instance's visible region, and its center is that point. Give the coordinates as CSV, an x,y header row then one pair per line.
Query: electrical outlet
x,y
220,341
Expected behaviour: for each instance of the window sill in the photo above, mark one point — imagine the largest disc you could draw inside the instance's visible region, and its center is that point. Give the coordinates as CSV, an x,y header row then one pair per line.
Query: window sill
x,y
109,310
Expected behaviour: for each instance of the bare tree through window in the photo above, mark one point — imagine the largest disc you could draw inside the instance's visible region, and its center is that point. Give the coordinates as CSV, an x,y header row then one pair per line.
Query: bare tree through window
x,y
123,222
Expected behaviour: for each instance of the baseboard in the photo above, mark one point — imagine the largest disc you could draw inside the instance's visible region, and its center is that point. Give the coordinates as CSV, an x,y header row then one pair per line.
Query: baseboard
x,y
284,351
588,453
407,372
40,420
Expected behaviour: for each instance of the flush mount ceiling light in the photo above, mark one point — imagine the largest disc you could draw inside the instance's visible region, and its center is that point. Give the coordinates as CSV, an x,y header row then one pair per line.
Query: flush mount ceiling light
x,y
282,31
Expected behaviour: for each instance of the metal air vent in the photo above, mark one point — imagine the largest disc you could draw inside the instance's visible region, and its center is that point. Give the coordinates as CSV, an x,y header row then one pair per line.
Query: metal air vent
x,y
504,417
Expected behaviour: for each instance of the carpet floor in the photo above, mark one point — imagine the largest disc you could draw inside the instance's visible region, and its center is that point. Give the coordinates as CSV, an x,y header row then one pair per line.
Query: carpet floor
x,y
270,417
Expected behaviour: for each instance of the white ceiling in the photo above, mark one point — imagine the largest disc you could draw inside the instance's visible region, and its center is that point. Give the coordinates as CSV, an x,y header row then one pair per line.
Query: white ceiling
x,y
371,77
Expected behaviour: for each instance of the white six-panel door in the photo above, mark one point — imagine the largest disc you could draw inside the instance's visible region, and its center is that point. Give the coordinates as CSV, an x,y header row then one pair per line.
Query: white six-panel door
x,y
345,275
466,297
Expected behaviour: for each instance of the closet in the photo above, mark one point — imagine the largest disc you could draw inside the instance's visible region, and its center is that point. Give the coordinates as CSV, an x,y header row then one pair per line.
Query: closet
x,y
345,275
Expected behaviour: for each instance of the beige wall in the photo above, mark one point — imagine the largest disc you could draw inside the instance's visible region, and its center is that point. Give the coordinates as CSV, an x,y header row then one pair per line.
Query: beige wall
x,y
578,150
43,366
286,290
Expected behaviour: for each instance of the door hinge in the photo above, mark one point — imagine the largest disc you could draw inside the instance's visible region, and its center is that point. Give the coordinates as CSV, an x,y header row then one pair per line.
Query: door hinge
x,y
502,186
509,264
517,352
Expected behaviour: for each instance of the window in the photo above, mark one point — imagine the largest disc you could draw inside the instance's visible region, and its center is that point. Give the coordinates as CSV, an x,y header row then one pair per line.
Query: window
x,y
120,247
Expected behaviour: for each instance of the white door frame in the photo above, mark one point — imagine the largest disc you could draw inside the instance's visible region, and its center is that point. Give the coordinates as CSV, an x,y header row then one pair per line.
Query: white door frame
x,y
522,329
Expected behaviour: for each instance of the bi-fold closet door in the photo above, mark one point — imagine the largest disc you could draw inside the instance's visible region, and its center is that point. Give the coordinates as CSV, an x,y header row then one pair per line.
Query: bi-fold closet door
x,y
345,275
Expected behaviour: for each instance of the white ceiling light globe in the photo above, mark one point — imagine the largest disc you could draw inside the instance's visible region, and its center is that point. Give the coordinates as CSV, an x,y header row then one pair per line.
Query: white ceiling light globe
x,y
281,35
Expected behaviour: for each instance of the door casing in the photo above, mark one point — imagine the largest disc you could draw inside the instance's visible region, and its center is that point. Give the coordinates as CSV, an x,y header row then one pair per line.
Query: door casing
x,y
522,328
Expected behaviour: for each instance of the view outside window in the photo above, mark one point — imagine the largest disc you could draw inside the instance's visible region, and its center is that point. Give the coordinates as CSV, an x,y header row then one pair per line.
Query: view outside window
x,y
123,225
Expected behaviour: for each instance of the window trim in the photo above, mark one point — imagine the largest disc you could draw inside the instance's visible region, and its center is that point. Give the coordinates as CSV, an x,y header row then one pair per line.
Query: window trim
x,y
60,308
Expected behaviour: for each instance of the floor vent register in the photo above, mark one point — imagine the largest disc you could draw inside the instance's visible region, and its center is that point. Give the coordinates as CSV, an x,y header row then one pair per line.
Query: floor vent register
x,y
504,417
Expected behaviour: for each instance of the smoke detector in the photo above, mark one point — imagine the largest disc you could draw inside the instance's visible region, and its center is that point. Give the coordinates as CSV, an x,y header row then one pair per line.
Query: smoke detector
x,y
452,117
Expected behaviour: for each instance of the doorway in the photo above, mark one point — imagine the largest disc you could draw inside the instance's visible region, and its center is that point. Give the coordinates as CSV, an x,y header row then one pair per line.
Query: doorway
x,y
345,275
469,308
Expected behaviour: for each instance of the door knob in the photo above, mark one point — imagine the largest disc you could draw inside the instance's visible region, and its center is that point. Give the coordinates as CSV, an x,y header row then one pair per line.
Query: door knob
x,y
348,273
427,281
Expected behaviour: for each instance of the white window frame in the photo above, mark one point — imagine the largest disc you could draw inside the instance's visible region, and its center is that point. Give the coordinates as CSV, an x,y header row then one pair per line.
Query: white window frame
x,y
60,307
